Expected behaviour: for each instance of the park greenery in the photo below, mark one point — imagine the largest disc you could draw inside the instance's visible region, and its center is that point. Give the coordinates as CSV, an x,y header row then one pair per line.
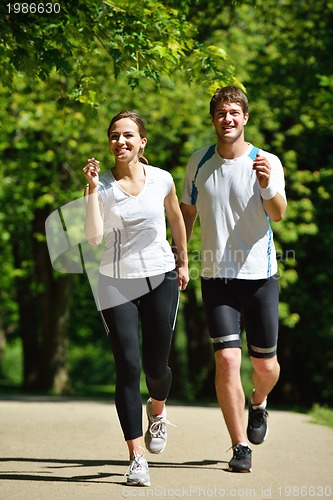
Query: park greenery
x,y
64,76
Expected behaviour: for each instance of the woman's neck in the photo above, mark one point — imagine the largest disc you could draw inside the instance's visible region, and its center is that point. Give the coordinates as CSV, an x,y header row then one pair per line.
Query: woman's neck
x,y
130,178
134,170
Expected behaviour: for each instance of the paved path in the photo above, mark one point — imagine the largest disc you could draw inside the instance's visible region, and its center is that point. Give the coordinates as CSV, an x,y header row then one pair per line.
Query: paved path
x,y
54,449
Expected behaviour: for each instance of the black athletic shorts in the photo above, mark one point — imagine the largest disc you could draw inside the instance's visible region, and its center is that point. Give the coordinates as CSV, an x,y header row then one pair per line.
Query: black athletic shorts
x,y
231,304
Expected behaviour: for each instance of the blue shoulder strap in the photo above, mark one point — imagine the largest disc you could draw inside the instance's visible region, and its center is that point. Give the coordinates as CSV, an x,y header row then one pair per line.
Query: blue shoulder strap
x,y
253,153
209,153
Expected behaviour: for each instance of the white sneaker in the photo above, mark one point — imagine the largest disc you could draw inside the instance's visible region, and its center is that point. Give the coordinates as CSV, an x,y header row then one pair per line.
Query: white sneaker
x,y
156,435
138,472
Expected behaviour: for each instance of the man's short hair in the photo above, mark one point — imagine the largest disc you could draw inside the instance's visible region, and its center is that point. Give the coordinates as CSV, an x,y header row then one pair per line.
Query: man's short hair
x,y
226,95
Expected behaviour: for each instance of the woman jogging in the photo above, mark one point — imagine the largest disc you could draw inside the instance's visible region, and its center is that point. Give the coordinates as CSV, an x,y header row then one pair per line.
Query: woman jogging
x,y
139,281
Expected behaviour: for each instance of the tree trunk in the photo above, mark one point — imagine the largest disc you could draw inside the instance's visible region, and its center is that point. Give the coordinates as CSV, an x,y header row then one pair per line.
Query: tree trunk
x,y
44,306
54,300
27,315
199,350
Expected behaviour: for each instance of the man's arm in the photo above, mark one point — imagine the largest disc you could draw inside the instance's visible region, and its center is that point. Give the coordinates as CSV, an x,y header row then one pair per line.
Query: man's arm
x,y
275,207
274,203
189,215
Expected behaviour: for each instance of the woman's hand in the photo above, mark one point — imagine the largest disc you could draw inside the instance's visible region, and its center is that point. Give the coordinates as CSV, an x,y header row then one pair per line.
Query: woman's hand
x,y
91,172
183,277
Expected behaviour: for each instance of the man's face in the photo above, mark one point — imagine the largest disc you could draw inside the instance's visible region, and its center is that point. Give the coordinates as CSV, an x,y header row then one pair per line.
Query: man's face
x,y
229,122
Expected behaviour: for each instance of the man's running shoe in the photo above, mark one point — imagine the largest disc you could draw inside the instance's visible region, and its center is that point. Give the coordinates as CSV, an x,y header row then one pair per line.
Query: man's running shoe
x,y
257,427
156,435
241,460
138,472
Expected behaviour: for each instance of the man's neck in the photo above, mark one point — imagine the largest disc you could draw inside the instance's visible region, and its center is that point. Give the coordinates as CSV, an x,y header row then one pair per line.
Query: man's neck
x,y
231,151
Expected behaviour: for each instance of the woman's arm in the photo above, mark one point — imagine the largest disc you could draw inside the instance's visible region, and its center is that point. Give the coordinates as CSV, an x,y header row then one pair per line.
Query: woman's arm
x,y
93,226
178,232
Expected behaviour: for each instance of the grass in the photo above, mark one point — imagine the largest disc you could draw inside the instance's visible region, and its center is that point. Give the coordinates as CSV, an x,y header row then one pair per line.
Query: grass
x,y
322,415
12,363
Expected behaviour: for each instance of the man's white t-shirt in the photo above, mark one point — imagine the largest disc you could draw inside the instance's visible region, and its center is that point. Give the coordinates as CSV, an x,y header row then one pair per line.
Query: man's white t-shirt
x,y
237,239
135,238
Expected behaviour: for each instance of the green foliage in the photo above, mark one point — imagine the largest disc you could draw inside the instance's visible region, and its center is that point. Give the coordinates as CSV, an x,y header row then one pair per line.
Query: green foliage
x,y
65,77
322,415
12,365
90,365
140,39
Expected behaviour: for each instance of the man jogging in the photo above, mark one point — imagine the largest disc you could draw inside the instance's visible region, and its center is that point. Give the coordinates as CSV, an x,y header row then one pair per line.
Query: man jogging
x,y
236,189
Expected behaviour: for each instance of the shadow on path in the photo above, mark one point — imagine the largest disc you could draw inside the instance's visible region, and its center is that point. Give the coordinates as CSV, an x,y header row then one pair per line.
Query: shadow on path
x,y
57,464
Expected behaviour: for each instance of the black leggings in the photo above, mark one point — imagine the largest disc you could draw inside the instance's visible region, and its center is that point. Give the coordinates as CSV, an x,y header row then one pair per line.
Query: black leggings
x,y
156,310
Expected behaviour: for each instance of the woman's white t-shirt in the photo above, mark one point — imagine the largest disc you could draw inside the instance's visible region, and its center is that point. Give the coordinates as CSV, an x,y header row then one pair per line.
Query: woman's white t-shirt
x,y
135,237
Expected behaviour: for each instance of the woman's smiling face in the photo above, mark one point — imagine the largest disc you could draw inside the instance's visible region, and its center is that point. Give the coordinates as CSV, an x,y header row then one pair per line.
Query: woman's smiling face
x,y
125,140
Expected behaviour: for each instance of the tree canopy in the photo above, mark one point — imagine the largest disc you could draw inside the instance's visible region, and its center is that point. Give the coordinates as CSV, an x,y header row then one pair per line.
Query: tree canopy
x,y
139,39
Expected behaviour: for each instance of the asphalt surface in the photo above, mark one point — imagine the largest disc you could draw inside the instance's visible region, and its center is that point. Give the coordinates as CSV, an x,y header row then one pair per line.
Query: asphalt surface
x,y
56,448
